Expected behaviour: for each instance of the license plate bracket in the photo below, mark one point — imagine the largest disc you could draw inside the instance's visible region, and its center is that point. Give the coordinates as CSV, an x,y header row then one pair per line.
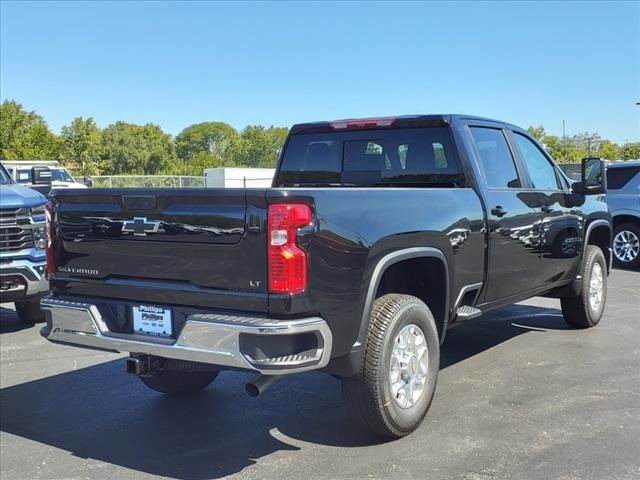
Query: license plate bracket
x,y
152,320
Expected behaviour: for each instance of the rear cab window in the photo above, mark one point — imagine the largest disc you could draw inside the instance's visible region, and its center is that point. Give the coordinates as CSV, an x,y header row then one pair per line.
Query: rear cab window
x,y
382,157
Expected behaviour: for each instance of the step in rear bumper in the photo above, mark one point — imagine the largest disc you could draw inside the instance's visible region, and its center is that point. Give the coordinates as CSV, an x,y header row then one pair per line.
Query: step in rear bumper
x,y
207,338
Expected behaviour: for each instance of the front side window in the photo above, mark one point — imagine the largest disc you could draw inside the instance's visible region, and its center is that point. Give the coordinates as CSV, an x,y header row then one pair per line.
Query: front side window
x,y
402,155
542,173
439,155
497,164
364,156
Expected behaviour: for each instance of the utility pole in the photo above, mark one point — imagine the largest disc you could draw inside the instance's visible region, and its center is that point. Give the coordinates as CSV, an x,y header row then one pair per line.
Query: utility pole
x,y
564,142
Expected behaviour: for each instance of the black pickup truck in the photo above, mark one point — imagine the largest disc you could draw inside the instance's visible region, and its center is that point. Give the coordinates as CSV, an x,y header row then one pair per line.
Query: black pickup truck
x,y
377,235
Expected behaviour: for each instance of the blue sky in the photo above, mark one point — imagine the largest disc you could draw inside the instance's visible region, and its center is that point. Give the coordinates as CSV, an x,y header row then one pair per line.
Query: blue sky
x,y
175,64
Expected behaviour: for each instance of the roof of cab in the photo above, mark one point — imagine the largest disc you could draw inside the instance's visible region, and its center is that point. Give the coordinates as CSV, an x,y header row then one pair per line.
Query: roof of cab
x,y
402,121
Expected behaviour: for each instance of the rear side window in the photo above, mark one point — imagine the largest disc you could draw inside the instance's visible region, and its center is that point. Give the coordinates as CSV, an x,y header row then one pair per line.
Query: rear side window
x,y
391,157
497,164
618,177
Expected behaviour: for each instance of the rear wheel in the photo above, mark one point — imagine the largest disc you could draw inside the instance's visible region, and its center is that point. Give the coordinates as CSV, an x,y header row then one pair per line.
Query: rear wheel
x,y
626,245
173,382
394,388
29,311
585,310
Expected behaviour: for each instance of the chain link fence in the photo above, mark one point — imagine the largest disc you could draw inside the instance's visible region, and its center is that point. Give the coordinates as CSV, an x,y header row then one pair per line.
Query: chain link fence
x,y
147,181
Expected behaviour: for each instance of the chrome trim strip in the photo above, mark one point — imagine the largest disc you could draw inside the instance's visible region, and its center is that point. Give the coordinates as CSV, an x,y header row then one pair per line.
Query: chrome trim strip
x,y
35,254
33,225
205,338
18,288
31,272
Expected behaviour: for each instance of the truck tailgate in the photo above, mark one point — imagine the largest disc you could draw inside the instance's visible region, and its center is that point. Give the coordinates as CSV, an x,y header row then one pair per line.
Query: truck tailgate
x,y
199,241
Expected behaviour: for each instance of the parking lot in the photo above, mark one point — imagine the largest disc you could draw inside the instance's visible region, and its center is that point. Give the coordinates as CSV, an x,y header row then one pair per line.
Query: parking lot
x,y
519,396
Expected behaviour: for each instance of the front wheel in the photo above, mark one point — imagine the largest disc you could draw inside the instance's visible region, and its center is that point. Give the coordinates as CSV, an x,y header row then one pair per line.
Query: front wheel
x,y
585,310
394,388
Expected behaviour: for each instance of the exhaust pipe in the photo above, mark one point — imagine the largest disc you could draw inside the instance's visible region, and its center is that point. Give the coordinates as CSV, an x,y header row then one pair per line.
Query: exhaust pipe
x,y
259,385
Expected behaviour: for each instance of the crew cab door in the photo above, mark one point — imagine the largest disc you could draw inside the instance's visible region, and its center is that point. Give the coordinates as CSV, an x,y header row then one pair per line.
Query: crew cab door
x,y
512,237
561,218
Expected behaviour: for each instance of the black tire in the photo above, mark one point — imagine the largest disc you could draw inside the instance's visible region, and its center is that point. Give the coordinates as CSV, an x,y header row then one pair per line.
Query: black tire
x,y
579,312
178,383
632,231
369,394
29,311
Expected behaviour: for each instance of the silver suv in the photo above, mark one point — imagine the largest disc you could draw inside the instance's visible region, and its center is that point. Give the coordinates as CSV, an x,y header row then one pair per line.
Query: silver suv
x,y
22,248
623,197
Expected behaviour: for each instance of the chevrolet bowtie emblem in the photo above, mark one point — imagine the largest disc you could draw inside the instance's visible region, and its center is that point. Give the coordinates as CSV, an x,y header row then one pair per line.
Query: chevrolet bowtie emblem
x,y
140,226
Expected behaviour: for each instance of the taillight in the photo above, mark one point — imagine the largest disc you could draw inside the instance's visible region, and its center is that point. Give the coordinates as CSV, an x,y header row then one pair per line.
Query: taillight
x,y
51,233
287,261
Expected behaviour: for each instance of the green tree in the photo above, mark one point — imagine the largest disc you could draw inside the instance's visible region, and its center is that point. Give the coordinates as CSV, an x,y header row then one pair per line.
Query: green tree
x,y
258,146
589,142
24,135
277,136
553,146
630,151
80,145
211,137
137,149
537,133
203,160
608,150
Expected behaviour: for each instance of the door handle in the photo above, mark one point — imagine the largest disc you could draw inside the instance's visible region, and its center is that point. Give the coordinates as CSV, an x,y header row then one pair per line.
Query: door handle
x,y
547,208
498,211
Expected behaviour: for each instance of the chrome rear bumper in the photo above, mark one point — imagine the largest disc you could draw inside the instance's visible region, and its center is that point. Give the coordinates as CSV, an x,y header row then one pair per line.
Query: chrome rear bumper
x,y
207,338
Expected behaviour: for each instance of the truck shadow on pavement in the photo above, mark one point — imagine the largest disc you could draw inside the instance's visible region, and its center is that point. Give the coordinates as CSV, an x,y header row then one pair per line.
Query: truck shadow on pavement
x,y
9,321
101,413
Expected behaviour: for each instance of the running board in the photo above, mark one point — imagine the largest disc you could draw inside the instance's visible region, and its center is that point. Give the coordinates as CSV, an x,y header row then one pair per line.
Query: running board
x,y
465,312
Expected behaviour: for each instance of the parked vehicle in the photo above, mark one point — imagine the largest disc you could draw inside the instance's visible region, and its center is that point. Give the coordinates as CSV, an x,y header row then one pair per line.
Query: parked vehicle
x,y
377,235
20,171
571,170
238,177
623,197
22,248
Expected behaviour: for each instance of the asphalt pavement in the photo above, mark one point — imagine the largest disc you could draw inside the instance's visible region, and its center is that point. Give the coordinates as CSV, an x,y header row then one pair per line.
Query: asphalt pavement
x,y
520,396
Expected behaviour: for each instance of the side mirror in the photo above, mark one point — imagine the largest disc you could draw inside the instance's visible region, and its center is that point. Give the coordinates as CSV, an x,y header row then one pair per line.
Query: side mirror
x,y
593,177
41,176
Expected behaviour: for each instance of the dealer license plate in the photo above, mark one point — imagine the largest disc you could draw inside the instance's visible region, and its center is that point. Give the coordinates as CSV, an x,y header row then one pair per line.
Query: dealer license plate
x,y
152,320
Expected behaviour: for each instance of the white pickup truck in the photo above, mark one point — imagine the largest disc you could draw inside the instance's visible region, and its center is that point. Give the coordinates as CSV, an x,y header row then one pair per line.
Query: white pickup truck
x,y
20,172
